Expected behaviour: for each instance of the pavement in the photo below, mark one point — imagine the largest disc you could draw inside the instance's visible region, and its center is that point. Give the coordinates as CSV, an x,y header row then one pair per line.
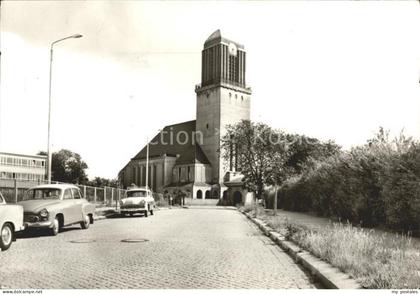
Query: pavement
x,y
175,248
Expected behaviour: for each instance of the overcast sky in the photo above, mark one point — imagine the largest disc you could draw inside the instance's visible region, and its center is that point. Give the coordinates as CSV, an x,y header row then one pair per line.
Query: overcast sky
x,y
332,70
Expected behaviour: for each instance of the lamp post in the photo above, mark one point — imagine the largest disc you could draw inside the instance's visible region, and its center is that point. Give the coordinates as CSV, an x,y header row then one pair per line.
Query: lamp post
x,y
49,103
270,169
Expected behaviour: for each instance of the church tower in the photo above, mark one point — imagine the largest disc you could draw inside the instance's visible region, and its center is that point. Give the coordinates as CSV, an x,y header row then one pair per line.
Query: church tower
x,y
222,97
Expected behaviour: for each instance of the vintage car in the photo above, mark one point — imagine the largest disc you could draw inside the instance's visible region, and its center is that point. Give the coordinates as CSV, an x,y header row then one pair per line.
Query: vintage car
x,y
137,200
54,206
11,221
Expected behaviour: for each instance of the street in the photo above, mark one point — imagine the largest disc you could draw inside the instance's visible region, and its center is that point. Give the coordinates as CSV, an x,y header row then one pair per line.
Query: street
x,y
178,248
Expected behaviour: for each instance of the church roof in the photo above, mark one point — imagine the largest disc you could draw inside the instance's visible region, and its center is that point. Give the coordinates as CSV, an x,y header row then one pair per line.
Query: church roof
x,y
176,140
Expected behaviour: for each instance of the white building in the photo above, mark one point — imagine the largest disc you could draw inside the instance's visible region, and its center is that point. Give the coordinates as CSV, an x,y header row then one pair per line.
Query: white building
x,y
22,167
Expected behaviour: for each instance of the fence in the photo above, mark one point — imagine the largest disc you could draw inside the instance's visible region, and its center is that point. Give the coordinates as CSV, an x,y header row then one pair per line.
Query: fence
x,y
14,190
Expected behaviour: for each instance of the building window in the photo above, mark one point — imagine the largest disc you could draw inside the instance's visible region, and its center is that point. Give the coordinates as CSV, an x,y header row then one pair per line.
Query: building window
x,y
154,176
207,126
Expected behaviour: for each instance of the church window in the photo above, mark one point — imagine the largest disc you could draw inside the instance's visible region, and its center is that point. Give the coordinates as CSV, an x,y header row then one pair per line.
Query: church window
x,y
174,174
207,126
242,98
232,68
230,94
236,96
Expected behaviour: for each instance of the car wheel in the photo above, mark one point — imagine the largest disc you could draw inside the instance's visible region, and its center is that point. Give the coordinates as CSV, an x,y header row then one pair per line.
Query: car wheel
x,y
151,211
56,227
86,223
6,236
146,213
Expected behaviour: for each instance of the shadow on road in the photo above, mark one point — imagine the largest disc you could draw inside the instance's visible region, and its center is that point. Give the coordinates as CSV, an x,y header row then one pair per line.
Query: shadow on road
x,y
118,215
36,233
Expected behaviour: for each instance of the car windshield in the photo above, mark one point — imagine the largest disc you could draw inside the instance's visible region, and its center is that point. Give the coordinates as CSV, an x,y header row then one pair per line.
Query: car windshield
x,y
136,194
42,193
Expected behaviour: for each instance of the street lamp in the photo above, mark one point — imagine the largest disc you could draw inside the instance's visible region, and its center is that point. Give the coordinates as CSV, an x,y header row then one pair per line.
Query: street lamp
x,y
270,169
49,102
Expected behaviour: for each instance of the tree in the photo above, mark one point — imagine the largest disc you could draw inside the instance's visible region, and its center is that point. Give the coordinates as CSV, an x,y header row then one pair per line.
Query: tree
x,y
261,152
67,167
305,151
103,182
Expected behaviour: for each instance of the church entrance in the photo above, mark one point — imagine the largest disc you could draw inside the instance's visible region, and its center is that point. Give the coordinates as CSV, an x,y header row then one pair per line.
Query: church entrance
x,y
237,198
199,194
225,195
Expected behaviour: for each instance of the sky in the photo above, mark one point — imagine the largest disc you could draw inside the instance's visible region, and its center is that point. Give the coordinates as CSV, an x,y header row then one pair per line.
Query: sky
x,y
331,70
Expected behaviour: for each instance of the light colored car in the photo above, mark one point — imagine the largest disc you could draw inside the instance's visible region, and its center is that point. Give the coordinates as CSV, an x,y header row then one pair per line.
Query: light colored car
x,y
137,200
11,221
54,206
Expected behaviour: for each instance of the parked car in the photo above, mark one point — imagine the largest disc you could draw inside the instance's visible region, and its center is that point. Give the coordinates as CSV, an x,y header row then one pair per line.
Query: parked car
x,y
137,200
11,221
54,206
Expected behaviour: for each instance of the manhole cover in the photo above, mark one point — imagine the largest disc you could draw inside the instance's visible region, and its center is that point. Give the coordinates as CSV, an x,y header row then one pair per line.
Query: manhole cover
x,y
82,241
134,240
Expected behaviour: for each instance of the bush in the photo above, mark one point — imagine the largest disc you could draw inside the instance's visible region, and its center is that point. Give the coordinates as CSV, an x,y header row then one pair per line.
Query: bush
x,y
371,185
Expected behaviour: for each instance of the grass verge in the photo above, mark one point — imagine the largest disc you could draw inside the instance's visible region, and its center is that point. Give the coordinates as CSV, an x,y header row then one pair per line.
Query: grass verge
x,y
377,261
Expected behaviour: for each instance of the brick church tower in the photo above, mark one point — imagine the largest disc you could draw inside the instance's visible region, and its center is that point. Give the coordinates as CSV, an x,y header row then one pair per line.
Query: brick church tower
x,y
222,97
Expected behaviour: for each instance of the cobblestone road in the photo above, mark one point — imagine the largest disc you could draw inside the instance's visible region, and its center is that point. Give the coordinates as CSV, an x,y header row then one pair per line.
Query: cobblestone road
x,y
187,248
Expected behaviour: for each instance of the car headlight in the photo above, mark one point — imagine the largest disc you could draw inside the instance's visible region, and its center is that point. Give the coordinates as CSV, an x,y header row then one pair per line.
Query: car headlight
x,y
43,213
142,202
121,203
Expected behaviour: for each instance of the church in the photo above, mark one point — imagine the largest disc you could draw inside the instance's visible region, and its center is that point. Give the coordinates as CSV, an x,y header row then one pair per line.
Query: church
x,y
185,158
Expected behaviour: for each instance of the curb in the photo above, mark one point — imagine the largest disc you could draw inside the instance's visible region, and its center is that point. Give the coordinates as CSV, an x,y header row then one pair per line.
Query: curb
x,y
329,276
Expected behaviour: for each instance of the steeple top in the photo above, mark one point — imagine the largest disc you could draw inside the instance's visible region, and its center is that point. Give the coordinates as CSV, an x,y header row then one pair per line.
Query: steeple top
x,y
216,38
216,34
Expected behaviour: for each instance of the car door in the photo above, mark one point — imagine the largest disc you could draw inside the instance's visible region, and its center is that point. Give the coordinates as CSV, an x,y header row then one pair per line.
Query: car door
x,y
78,202
69,207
